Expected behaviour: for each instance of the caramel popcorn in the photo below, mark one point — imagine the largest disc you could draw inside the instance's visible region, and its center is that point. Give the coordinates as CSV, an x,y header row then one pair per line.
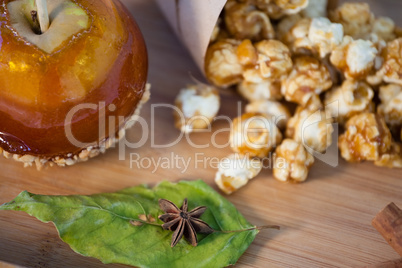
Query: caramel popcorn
x,y
197,107
398,31
292,162
265,90
317,36
312,127
324,35
245,21
297,37
352,98
315,9
222,66
247,54
391,159
285,24
273,58
308,78
374,77
355,58
291,6
235,171
268,7
353,50
276,9
273,62
391,70
278,111
391,104
367,137
360,23
254,135
383,29
356,18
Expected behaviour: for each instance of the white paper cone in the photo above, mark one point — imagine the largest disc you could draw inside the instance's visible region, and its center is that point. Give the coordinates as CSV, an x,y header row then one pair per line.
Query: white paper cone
x,y
193,21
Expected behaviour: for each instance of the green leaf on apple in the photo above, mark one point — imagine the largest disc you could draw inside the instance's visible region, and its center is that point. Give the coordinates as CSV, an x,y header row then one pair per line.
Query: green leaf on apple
x,y
99,225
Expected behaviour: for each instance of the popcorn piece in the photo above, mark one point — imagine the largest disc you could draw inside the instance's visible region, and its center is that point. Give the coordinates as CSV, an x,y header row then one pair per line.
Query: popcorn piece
x,y
297,38
383,29
308,78
324,35
265,90
285,24
235,171
254,135
292,162
391,104
291,6
273,59
222,66
311,127
354,58
314,36
247,54
198,106
367,137
244,21
356,18
273,62
279,112
398,31
352,98
374,77
359,22
391,159
315,9
228,60
374,80
269,7
391,70
276,9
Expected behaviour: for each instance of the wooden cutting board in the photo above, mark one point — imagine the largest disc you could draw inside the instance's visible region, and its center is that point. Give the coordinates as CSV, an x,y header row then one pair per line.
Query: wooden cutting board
x,y
325,221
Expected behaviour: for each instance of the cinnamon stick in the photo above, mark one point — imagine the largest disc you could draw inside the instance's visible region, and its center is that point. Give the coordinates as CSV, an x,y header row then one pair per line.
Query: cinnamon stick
x,y
389,224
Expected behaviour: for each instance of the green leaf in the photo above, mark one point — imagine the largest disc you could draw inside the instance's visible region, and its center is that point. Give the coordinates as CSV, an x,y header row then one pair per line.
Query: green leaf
x,y
99,225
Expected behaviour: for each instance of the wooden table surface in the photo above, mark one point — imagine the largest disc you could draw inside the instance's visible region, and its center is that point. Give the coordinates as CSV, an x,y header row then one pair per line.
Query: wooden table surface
x,y
325,221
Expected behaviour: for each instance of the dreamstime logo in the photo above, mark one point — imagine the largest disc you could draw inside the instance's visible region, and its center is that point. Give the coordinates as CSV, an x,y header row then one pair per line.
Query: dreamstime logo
x,y
256,132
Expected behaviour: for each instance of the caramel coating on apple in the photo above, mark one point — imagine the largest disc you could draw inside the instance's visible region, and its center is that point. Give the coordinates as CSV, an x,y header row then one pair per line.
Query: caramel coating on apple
x,y
105,66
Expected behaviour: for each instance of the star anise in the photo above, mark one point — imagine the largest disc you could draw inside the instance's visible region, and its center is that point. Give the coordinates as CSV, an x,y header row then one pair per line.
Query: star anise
x,y
182,222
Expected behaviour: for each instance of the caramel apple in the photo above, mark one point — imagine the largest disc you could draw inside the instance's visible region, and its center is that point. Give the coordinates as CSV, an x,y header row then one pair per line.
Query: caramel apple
x,y
67,90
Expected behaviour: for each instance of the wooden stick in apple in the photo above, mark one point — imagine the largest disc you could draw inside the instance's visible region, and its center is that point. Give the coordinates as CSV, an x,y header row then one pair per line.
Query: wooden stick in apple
x,y
35,21
43,15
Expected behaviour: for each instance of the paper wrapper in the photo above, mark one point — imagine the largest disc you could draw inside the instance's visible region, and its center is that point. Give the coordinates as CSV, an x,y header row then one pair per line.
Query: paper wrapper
x,y
193,21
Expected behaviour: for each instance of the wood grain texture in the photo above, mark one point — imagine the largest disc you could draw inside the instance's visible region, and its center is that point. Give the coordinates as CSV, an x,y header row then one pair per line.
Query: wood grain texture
x,y
326,222
387,264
